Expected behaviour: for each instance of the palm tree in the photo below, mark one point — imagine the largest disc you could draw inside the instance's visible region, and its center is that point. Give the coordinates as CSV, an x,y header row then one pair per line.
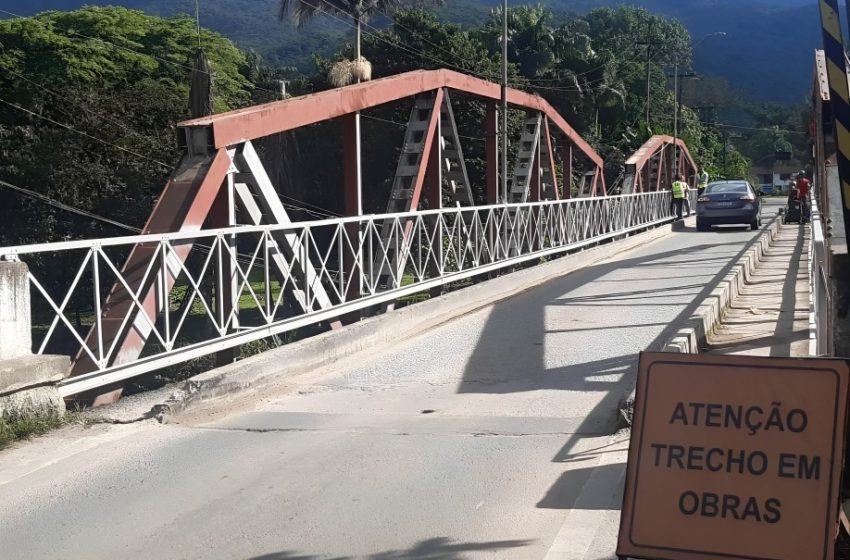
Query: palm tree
x,y
302,11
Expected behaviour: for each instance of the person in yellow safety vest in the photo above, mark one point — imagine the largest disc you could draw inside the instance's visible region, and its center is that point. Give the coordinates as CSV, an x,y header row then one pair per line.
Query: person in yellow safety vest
x,y
702,183
680,191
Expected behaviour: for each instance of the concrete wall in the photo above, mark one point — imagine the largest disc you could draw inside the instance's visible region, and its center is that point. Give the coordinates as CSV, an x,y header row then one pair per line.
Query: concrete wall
x,y
15,333
27,381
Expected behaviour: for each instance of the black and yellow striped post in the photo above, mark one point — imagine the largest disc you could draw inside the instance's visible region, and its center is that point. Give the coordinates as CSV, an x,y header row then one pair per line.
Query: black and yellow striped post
x,y
833,46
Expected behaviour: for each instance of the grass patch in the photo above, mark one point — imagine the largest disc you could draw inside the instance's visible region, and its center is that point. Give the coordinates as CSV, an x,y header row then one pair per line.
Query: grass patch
x,y
418,297
26,428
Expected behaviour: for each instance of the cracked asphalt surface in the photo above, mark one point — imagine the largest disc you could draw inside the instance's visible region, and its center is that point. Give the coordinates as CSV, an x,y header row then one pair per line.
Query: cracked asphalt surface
x,y
491,436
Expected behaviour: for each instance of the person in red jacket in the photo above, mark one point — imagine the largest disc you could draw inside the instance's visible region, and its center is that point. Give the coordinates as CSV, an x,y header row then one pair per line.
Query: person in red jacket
x,y
803,186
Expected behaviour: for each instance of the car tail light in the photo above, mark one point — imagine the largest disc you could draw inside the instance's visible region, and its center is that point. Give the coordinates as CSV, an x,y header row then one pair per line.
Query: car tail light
x,y
703,199
747,197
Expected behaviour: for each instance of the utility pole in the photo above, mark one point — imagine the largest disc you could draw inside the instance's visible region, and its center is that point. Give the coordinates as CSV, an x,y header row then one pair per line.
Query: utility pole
x,y
504,101
676,121
678,83
648,90
649,44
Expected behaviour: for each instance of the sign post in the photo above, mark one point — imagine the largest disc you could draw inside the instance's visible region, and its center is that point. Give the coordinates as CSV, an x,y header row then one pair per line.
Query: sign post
x,y
734,457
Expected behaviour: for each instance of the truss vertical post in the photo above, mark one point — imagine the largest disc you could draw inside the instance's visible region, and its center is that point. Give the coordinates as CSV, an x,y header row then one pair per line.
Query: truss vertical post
x,y
551,175
535,184
568,170
434,194
662,168
595,182
491,147
223,214
352,265
434,177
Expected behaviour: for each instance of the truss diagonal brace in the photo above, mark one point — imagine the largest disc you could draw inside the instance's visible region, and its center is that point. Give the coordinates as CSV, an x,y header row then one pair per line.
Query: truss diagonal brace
x,y
419,139
288,242
184,205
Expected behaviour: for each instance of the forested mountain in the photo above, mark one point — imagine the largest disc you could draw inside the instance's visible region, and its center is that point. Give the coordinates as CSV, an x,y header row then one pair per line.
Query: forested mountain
x,y
767,50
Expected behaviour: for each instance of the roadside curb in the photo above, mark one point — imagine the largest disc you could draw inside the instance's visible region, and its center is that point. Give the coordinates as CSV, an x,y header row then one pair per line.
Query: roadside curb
x,y
694,332
275,367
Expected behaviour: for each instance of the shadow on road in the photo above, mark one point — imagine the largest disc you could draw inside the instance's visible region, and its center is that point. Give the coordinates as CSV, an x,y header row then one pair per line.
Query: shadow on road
x,y
565,493
787,317
615,376
439,548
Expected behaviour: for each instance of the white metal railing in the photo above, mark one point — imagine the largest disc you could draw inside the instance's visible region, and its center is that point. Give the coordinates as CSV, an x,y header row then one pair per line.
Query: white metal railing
x,y
819,288
272,279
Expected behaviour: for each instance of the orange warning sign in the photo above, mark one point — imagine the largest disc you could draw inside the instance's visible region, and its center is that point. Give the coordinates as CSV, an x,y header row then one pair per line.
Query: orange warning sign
x,y
734,457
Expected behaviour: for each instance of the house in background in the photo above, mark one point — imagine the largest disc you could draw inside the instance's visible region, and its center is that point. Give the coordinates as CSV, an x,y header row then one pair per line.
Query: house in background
x,y
774,178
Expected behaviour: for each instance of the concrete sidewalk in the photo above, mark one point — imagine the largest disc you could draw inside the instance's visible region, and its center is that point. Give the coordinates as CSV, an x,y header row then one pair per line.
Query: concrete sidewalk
x,y
771,316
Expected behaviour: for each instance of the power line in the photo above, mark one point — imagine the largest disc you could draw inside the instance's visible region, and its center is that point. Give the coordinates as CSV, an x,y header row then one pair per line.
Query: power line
x,y
592,70
758,128
534,81
86,134
404,125
62,206
242,258
376,33
310,208
304,206
324,212
412,32
86,109
740,127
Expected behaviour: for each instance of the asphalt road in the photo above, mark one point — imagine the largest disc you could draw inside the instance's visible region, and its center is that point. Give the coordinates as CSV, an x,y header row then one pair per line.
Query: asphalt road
x,y
491,436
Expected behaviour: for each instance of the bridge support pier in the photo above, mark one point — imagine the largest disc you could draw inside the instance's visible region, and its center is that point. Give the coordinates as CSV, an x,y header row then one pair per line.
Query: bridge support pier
x,y
27,382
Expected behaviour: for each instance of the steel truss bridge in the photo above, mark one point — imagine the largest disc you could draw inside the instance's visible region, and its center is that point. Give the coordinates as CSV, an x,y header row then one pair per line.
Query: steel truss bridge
x,y
220,263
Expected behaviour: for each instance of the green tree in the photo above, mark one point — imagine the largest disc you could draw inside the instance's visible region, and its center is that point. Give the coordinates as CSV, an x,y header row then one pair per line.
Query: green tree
x,y
531,38
90,99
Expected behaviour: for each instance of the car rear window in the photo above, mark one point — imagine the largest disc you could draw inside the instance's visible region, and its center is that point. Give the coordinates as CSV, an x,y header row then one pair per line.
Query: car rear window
x,y
727,187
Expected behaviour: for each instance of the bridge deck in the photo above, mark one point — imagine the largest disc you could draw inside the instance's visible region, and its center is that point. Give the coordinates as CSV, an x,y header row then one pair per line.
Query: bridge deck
x,y
479,438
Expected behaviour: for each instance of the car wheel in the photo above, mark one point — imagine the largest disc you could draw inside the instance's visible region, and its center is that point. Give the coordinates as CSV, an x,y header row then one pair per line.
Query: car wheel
x,y
755,225
702,225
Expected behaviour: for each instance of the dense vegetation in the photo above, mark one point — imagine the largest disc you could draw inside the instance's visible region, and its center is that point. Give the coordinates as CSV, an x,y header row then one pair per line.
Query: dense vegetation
x,y
90,99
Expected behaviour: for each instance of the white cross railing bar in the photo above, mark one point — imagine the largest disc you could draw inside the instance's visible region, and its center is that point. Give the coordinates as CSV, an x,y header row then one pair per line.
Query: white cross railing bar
x,y
819,285
442,246
13,250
